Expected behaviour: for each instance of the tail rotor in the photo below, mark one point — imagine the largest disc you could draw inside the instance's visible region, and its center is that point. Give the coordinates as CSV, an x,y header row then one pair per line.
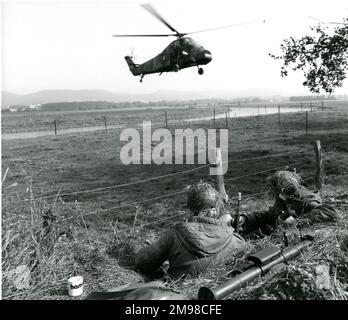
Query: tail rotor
x,y
132,55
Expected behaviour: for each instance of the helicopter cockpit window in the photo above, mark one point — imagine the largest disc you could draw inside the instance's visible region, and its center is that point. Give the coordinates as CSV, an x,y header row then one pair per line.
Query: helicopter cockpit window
x,y
187,43
195,43
192,43
183,41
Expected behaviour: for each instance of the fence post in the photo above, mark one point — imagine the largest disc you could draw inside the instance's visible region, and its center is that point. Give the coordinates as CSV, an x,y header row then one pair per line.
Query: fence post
x,y
301,106
258,109
55,127
5,175
265,109
105,124
226,121
311,106
322,104
319,179
217,165
166,119
214,117
306,122
279,114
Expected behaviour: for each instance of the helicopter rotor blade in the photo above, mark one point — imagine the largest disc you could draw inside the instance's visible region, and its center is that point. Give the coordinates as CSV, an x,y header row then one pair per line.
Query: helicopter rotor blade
x,y
345,23
148,7
145,35
225,27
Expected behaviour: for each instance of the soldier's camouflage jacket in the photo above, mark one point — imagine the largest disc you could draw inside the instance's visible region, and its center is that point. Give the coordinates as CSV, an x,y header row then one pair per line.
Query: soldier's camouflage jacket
x,y
304,205
190,247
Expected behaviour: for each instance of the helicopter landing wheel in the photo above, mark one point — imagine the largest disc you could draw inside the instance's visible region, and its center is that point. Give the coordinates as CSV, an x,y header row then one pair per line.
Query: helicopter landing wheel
x,y
200,71
176,67
141,78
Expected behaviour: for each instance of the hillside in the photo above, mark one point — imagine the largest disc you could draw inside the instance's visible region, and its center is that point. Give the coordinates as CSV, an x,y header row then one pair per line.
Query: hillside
x,y
50,96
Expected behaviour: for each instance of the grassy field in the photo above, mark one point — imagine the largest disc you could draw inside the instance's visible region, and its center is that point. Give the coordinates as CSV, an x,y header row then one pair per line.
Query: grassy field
x,y
43,120
51,225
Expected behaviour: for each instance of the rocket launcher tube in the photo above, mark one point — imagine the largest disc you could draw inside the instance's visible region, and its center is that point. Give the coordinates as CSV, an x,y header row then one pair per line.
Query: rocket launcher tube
x,y
264,261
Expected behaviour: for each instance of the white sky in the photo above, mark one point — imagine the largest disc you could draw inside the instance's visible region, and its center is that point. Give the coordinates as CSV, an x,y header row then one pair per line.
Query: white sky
x,y
68,45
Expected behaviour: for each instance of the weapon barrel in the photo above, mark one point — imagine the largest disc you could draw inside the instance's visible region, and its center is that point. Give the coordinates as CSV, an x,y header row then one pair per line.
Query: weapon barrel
x,y
236,220
291,252
287,254
252,273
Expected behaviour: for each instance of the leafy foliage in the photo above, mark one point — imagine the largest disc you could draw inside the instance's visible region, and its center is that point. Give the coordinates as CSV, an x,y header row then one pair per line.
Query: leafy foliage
x,y
323,57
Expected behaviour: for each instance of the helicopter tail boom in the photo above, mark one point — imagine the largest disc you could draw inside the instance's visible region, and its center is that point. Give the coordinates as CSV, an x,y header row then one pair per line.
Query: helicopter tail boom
x,y
132,66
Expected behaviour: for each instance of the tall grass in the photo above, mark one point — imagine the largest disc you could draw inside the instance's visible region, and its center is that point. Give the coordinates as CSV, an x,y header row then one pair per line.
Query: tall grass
x,y
35,236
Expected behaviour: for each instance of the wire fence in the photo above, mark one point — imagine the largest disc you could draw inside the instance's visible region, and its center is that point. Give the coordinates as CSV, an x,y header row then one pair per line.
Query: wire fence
x,y
220,116
132,204
107,188
169,195
245,198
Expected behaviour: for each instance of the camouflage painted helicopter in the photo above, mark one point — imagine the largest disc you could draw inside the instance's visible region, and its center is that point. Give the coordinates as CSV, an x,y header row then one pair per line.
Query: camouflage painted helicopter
x,y
182,53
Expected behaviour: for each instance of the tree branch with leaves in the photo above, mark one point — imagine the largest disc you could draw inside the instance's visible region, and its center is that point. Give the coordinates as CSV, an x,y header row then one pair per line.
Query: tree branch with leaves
x,y
322,57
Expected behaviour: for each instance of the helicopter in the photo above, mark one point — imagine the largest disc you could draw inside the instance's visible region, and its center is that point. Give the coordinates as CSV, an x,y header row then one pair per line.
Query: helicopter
x,y
184,52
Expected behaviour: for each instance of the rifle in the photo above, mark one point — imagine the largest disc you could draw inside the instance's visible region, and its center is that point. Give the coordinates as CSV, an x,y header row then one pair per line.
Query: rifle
x,y
257,265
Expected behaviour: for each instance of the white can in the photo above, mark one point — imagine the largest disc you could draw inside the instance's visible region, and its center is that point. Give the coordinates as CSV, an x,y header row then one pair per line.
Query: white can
x,y
75,286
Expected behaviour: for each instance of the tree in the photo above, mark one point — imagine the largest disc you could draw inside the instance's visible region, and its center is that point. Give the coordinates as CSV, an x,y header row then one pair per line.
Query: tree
x,y
323,57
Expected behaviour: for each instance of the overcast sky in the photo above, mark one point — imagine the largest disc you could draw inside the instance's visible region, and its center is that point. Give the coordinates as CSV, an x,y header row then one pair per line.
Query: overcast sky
x,y
68,45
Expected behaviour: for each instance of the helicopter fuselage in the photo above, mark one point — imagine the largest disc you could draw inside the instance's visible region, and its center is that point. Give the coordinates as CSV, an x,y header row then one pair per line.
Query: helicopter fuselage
x,y
179,54
182,53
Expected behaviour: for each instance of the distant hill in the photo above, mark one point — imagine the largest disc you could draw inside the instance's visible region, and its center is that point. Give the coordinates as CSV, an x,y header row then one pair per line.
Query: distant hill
x,y
49,96
8,97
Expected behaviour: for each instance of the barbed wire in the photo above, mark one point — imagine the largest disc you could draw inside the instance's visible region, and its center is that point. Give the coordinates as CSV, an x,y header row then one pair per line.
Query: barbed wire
x,y
129,204
115,186
264,171
147,200
344,163
338,177
266,156
175,193
337,167
249,196
326,171
102,211
101,189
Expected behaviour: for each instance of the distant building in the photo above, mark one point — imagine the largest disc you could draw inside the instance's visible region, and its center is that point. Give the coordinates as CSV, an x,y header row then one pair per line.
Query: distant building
x,y
34,106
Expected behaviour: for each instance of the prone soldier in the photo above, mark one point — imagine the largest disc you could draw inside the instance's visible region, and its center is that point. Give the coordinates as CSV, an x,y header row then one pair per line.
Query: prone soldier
x,y
292,199
192,246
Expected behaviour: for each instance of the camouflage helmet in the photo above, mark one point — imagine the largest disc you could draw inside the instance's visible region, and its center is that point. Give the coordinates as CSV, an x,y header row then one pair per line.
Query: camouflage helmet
x,y
284,183
202,196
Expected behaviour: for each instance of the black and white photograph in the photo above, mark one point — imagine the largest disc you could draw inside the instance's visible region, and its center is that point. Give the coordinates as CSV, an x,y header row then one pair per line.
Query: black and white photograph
x,y
174,150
